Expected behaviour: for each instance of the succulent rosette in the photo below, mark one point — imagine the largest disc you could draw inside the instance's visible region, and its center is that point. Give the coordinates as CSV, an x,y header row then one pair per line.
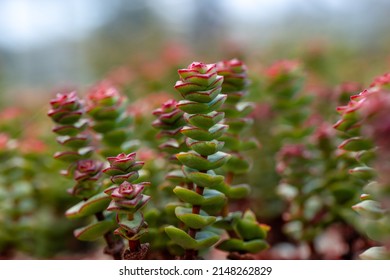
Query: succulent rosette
x,y
127,199
200,86
107,108
86,173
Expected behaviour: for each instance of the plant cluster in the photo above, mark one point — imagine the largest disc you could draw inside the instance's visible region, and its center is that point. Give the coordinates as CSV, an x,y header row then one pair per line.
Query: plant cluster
x,y
224,163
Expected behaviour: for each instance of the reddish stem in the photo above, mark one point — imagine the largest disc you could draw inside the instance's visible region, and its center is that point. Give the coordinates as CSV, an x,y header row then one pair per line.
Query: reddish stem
x,y
115,247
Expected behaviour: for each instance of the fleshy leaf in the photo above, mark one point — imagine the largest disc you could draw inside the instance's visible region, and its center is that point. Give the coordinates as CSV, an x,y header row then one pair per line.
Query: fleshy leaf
x,y
94,230
206,180
200,134
195,221
204,148
204,121
237,165
132,226
250,230
239,191
198,162
204,239
237,245
356,144
188,196
96,203
192,107
370,209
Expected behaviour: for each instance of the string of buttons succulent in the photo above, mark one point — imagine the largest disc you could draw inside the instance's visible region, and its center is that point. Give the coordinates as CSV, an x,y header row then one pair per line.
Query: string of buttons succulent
x,y
227,160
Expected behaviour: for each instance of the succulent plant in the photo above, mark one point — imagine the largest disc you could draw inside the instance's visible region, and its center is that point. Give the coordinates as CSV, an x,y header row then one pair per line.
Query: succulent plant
x,y
200,86
107,108
127,199
67,111
235,86
365,123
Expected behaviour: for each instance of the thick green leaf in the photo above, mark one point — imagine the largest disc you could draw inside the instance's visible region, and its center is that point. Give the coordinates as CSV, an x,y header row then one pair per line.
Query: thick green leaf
x,y
95,204
204,239
73,142
202,96
239,191
104,126
177,177
204,121
200,134
133,226
193,107
115,137
94,230
250,230
213,201
206,180
370,209
237,125
204,148
237,245
196,221
363,172
188,196
356,144
237,165
198,162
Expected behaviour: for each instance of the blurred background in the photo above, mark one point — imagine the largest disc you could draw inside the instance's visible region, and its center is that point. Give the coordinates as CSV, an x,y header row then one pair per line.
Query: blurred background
x,y
49,44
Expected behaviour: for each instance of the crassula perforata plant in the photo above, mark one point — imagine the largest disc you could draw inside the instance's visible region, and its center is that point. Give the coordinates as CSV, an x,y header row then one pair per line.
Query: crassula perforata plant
x,y
365,122
68,113
127,200
200,86
246,235
107,108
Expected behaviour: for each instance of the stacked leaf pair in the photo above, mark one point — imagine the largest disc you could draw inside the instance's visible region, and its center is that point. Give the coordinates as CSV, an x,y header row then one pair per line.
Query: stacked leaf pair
x,y
67,111
246,235
365,123
200,86
107,108
127,197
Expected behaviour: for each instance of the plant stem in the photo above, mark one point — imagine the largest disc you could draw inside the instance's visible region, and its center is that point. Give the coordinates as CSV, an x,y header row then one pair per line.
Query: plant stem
x,y
134,245
114,247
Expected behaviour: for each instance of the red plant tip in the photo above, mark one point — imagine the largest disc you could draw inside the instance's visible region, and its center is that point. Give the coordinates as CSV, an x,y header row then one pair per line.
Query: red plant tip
x,y
381,81
234,65
103,93
283,67
121,158
126,188
63,99
87,169
166,107
201,67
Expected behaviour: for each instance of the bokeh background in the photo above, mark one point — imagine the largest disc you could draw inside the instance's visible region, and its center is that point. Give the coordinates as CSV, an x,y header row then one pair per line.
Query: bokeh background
x,y
54,43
